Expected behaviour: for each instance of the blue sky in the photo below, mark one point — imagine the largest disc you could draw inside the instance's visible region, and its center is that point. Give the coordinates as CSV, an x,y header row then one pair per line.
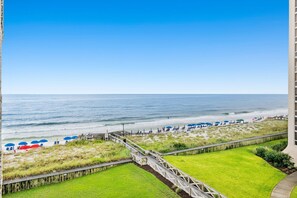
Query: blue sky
x,y
175,46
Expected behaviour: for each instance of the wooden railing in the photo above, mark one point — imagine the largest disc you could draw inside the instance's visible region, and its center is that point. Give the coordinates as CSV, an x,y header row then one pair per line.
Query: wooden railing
x,y
229,145
15,185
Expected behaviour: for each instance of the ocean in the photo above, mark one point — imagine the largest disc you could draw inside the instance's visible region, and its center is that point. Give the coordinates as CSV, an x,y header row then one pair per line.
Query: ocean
x,y
50,116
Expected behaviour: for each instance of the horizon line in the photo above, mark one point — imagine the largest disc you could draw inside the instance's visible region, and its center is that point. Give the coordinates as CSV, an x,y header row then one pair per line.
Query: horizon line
x,y
144,93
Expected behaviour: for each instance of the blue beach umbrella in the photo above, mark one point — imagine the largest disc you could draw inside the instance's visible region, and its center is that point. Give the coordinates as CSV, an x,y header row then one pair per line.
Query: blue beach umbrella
x,y
43,141
67,138
35,142
169,127
217,123
9,144
22,143
74,137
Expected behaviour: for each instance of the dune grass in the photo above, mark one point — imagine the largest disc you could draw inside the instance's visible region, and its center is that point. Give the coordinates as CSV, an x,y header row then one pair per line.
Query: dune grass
x,y
167,142
235,173
61,157
122,181
294,193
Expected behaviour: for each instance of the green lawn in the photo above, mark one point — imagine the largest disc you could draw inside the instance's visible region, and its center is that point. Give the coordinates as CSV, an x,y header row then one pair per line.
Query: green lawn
x,y
121,181
294,193
235,173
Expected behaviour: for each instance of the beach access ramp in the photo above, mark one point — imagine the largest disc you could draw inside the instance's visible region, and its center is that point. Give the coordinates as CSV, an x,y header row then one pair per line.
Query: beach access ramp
x,y
191,186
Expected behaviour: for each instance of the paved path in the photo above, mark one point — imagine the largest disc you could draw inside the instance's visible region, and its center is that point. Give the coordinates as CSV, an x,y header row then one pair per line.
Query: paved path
x,y
283,188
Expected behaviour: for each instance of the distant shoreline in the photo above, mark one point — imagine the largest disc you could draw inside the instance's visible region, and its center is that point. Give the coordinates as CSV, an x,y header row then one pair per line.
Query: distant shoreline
x,y
54,116
59,138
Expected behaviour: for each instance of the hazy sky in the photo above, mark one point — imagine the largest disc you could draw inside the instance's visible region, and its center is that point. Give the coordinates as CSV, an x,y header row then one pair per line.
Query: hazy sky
x,y
153,46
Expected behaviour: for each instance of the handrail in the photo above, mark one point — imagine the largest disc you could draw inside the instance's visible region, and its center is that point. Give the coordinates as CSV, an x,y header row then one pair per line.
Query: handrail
x,y
187,178
142,150
158,161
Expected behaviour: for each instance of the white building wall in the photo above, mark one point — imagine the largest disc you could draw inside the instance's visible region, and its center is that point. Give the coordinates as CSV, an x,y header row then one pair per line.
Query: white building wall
x,y
292,93
1,38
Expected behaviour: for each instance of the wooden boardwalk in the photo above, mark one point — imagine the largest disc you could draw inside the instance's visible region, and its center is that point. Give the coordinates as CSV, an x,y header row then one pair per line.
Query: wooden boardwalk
x,y
193,187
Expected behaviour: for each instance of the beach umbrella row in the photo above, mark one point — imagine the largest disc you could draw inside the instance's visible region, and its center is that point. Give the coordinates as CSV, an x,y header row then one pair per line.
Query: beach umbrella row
x,y
211,124
34,142
26,143
200,124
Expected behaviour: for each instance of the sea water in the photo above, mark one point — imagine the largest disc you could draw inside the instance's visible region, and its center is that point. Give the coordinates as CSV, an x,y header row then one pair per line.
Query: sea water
x,y
36,116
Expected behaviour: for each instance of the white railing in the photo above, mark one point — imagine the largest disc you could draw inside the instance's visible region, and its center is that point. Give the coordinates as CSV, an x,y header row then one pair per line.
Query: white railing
x,y
193,187
190,185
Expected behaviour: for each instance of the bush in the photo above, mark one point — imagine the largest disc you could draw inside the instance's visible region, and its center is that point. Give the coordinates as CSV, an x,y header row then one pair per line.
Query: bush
x,y
260,151
276,158
280,147
279,159
179,146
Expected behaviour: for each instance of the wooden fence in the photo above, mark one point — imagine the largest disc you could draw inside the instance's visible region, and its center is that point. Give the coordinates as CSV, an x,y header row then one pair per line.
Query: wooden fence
x,y
11,186
229,145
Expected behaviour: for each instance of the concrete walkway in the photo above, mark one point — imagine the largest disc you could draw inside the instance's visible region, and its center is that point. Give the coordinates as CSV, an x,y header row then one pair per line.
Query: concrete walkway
x,y
283,188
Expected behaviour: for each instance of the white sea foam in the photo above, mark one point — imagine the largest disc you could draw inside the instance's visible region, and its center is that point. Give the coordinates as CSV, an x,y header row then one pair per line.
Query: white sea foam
x,y
58,131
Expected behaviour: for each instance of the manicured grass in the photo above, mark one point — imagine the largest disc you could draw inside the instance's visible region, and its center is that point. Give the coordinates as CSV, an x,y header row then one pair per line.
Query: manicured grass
x,y
167,142
235,173
121,181
294,193
61,157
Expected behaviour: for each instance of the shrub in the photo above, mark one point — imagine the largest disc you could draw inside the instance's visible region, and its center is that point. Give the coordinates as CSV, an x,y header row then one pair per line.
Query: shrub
x,y
179,146
276,158
279,159
260,151
280,147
